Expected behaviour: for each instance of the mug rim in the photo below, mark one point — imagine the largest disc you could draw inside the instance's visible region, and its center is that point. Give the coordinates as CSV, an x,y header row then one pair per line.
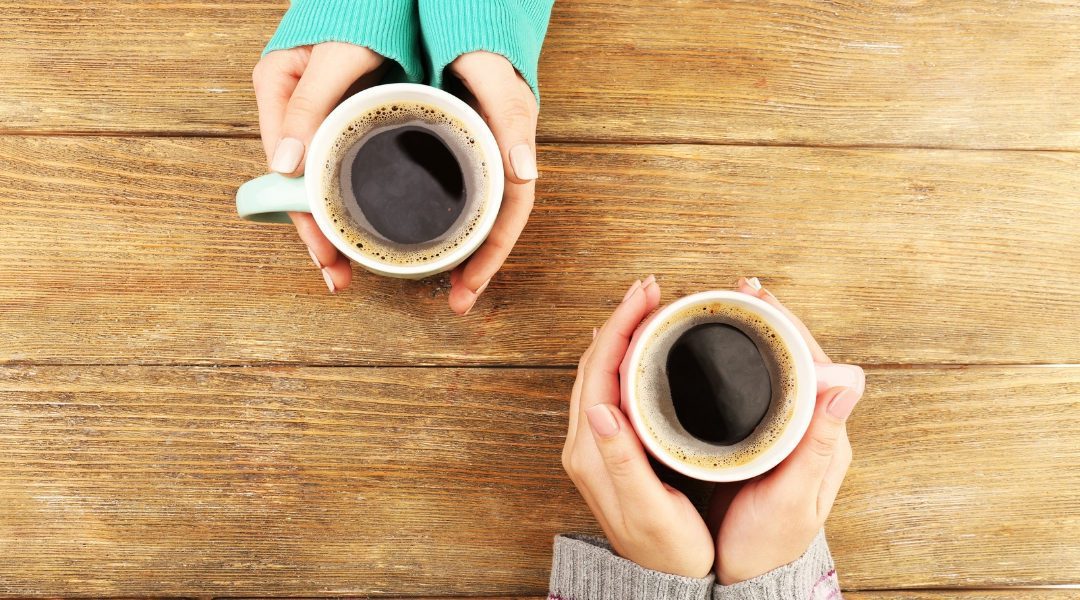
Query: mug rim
x,y
805,377
340,117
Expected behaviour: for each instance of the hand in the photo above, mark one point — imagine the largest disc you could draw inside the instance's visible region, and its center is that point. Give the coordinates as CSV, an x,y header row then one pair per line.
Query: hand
x,y
646,521
509,107
770,521
296,89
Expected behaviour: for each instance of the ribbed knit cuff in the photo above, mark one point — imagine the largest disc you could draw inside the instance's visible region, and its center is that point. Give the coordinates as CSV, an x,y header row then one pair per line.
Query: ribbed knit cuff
x,y
388,27
585,568
811,577
512,28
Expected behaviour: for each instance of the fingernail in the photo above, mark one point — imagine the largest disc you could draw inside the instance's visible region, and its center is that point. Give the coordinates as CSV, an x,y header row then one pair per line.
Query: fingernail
x,y
479,291
840,375
329,281
314,259
469,310
651,279
594,332
523,160
754,283
287,155
842,405
630,292
601,420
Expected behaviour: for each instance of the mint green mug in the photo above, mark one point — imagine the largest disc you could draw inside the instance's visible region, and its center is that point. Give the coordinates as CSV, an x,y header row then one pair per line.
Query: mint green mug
x,y
271,197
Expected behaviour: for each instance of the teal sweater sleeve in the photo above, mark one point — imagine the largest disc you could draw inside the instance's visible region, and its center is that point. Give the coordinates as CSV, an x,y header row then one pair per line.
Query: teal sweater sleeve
x,y
388,27
512,28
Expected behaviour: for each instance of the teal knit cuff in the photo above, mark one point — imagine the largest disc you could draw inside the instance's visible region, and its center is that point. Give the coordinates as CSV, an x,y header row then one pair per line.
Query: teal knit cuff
x,y
388,27
513,28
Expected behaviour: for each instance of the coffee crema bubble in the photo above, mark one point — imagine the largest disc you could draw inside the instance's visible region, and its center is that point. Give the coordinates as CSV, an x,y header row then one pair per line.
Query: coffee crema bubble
x,y
653,396
344,209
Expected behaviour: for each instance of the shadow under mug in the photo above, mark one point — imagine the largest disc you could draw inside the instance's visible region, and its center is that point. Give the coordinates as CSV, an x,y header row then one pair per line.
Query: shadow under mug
x,y
271,197
805,380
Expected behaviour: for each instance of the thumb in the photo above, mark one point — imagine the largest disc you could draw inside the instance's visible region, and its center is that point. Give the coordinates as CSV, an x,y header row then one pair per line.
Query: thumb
x,y
331,70
508,106
628,468
810,460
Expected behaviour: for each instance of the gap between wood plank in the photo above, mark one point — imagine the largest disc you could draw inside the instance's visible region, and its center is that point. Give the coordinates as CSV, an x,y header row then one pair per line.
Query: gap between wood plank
x,y
547,140
523,367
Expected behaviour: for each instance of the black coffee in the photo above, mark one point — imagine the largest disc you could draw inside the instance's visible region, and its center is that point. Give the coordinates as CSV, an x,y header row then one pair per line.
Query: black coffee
x,y
406,183
719,381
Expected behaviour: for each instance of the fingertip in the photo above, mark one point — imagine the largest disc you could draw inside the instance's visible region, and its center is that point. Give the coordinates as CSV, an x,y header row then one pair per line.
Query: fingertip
x,y
840,401
835,375
602,421
522,158
340,271
652,294
461,299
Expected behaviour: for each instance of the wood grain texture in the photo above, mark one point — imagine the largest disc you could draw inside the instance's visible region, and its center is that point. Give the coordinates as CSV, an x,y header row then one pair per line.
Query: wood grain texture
x,y
954,73
128,251
429,482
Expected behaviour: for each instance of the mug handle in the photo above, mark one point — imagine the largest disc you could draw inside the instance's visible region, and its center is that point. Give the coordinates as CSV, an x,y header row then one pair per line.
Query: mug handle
x,y
269,199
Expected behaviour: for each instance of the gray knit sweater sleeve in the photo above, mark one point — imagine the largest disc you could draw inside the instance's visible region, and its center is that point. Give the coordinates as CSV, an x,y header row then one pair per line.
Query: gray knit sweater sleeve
x,y
585,568
811,577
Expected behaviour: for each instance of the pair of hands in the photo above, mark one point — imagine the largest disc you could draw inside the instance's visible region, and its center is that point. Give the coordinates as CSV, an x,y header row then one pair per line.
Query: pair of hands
x,y
753,526
297,88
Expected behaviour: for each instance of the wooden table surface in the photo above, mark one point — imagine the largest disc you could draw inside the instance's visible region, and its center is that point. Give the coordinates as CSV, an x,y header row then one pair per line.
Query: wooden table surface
x,y
185,411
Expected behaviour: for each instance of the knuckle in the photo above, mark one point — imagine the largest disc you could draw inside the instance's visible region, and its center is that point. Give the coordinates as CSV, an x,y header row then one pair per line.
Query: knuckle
x,y
516,110
823,445
572,464
260,74
619,462
303,106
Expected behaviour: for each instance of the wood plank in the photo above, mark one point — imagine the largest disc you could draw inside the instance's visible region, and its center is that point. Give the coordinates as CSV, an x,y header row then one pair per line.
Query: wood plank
x,y
1005,594
953,73
336,481
128,251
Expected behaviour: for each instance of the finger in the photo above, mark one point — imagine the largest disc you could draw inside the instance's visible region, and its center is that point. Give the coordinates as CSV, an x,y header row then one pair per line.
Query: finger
x,y
489,258
332,68
753,287
575,395
635,484
600,384
338,276
336,269
804,471
275,77
834,476
830,375
324,253
508,105
652,298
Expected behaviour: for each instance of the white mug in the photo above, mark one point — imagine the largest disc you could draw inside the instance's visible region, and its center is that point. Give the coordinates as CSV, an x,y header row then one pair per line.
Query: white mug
x,y
269,198
804,375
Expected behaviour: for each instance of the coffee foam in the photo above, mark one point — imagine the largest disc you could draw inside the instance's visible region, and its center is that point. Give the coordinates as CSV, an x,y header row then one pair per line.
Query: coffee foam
x,y
355,229
652,393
